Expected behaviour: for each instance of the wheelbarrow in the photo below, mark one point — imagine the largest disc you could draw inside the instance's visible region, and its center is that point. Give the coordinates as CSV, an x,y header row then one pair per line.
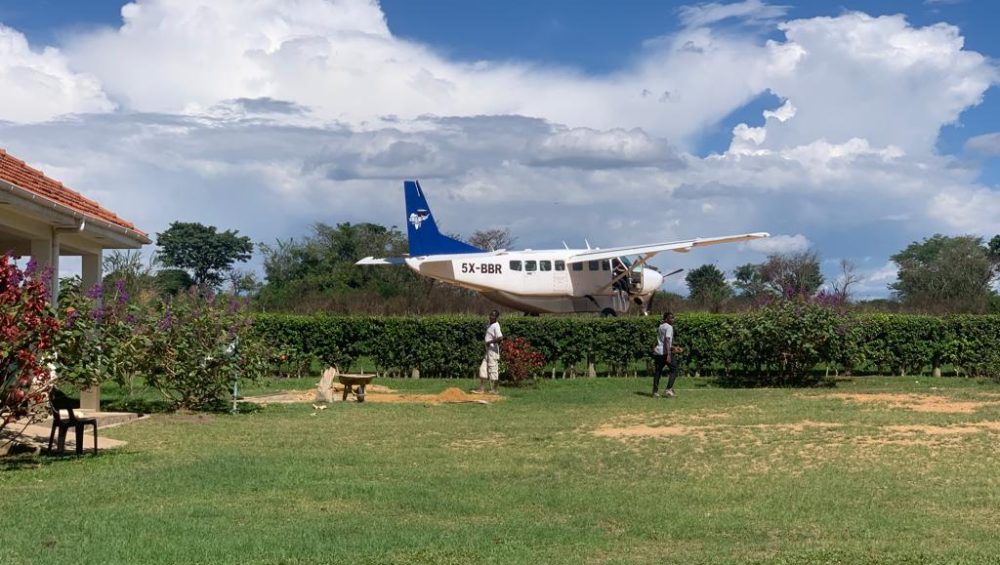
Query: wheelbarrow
x,y
351,381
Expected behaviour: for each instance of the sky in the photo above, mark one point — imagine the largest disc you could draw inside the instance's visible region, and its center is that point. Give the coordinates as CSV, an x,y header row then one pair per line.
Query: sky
x,y
849,128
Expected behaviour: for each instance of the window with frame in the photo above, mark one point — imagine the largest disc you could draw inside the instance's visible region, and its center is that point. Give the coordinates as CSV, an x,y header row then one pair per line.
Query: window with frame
x,y
530,265
560,265
593,266
605,265
545,265
577,266
515,265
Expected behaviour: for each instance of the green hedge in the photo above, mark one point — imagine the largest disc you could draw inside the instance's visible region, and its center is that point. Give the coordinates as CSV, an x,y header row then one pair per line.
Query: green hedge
x,y
725,345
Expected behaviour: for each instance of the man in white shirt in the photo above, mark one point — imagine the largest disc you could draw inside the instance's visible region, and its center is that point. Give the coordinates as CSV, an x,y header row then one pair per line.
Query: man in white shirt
x,y
663,355
489,370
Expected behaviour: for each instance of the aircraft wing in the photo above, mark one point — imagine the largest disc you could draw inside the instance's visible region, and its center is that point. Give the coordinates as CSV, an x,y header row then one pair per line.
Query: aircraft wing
x,y
651,249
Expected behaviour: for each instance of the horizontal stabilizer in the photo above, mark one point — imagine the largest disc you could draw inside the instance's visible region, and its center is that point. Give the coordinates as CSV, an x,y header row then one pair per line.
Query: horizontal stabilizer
x,y
382,261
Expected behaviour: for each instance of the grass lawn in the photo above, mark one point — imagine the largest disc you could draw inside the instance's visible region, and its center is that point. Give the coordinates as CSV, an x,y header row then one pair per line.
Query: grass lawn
x,y
580,471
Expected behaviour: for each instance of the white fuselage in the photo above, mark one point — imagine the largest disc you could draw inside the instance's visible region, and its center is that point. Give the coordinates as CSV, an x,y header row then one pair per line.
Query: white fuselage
x,y
542,281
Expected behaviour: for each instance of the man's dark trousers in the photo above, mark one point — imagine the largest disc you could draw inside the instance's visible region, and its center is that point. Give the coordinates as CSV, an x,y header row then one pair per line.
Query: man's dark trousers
x,y
659,362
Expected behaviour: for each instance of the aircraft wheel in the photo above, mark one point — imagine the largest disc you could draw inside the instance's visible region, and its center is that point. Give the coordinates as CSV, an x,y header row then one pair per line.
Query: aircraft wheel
x,y
608,313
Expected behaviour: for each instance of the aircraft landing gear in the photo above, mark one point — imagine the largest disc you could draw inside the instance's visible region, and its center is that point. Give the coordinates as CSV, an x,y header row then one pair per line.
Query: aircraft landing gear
x,y
608,313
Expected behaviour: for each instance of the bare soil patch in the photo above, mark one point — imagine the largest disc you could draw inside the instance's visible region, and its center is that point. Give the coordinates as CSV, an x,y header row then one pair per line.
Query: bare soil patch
x,y
380,394
915,402
646,431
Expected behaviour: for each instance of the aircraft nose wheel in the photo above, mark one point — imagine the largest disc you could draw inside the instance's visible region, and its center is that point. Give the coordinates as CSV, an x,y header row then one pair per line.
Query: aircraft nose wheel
x,y
608,313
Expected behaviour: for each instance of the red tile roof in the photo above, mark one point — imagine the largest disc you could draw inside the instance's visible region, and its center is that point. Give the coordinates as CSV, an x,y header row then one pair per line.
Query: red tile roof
x,y
15,171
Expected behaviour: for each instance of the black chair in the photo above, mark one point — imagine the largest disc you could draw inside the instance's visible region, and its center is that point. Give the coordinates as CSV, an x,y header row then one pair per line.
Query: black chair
x,y
59,401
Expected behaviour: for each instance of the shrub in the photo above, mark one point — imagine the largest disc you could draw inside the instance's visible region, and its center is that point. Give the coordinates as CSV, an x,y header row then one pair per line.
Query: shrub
x,y
104,337
27,329
519,361
201,345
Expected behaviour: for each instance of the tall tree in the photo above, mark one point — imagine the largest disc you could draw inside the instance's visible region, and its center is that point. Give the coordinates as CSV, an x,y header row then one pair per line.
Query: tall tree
x,y
796,273
707,287
750,281
493,239
947,274
202,250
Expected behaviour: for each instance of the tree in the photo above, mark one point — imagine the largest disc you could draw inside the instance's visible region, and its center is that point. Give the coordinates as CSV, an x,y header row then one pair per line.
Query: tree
x,y
130,268
172,281
750,281
947,274
793,273
848,278
492,240
707,287
206,253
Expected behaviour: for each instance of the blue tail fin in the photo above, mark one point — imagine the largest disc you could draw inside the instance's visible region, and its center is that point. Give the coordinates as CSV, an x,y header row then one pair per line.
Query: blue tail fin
x,y
422,230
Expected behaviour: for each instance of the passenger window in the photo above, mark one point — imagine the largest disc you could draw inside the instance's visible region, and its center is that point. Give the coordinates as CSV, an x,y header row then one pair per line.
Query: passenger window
x,y
545,265
560,265
515,265
592,266
577,266
530,265
605,265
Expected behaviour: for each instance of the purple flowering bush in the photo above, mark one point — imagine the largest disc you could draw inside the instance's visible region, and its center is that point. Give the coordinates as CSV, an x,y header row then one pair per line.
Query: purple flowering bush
x,y
190,347
198,345
102,338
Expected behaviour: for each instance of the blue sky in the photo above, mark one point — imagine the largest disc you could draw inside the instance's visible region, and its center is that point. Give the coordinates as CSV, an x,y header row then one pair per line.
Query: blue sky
x,y
627,122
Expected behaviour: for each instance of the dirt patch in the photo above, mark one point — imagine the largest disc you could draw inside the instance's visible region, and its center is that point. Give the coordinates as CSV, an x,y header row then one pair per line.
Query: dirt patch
x,y
970,428
478,443
646,431
380,394
915,402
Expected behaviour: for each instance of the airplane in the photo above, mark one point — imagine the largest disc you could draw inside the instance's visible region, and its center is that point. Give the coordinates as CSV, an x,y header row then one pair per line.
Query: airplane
x,y
540,281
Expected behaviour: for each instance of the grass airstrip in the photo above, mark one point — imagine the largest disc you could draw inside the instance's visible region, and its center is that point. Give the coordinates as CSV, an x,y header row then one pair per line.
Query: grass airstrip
x,y
873,470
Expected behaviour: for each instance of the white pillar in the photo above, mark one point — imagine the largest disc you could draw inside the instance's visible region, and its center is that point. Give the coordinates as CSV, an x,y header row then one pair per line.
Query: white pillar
x,y
41,252
90,399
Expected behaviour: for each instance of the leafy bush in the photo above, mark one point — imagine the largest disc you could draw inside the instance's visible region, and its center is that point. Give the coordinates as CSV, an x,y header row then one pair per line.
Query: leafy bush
x,y
519,361
783,344
104,337
200,345
27,329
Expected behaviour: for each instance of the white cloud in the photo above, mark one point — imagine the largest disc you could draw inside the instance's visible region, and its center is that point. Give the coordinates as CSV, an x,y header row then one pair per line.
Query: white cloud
x,y
266,116
987,144
712,12
780,244
37,86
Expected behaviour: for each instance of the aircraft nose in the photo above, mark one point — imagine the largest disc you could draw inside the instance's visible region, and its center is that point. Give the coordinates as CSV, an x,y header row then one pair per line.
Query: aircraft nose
x,y
651,280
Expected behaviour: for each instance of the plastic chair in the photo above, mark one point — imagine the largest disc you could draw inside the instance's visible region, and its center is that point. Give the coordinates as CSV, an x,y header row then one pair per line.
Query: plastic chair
x,y
57,401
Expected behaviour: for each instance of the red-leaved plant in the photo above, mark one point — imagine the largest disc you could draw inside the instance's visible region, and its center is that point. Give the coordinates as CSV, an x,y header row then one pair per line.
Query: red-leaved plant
x,y
27,329
519,361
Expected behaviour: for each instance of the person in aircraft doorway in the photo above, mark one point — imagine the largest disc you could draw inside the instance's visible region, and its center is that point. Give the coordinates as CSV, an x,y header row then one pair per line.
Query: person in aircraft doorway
x,y
623,284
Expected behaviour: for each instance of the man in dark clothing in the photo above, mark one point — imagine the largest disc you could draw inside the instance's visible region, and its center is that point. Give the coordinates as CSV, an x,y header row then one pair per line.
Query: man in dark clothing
x,y
663,355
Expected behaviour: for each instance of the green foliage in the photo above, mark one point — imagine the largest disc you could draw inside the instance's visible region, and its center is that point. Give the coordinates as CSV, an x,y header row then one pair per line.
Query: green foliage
x,y
199,345
103,338
707,287
780,344
947,274
202,250
172,281
793,273
750,281
789,343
